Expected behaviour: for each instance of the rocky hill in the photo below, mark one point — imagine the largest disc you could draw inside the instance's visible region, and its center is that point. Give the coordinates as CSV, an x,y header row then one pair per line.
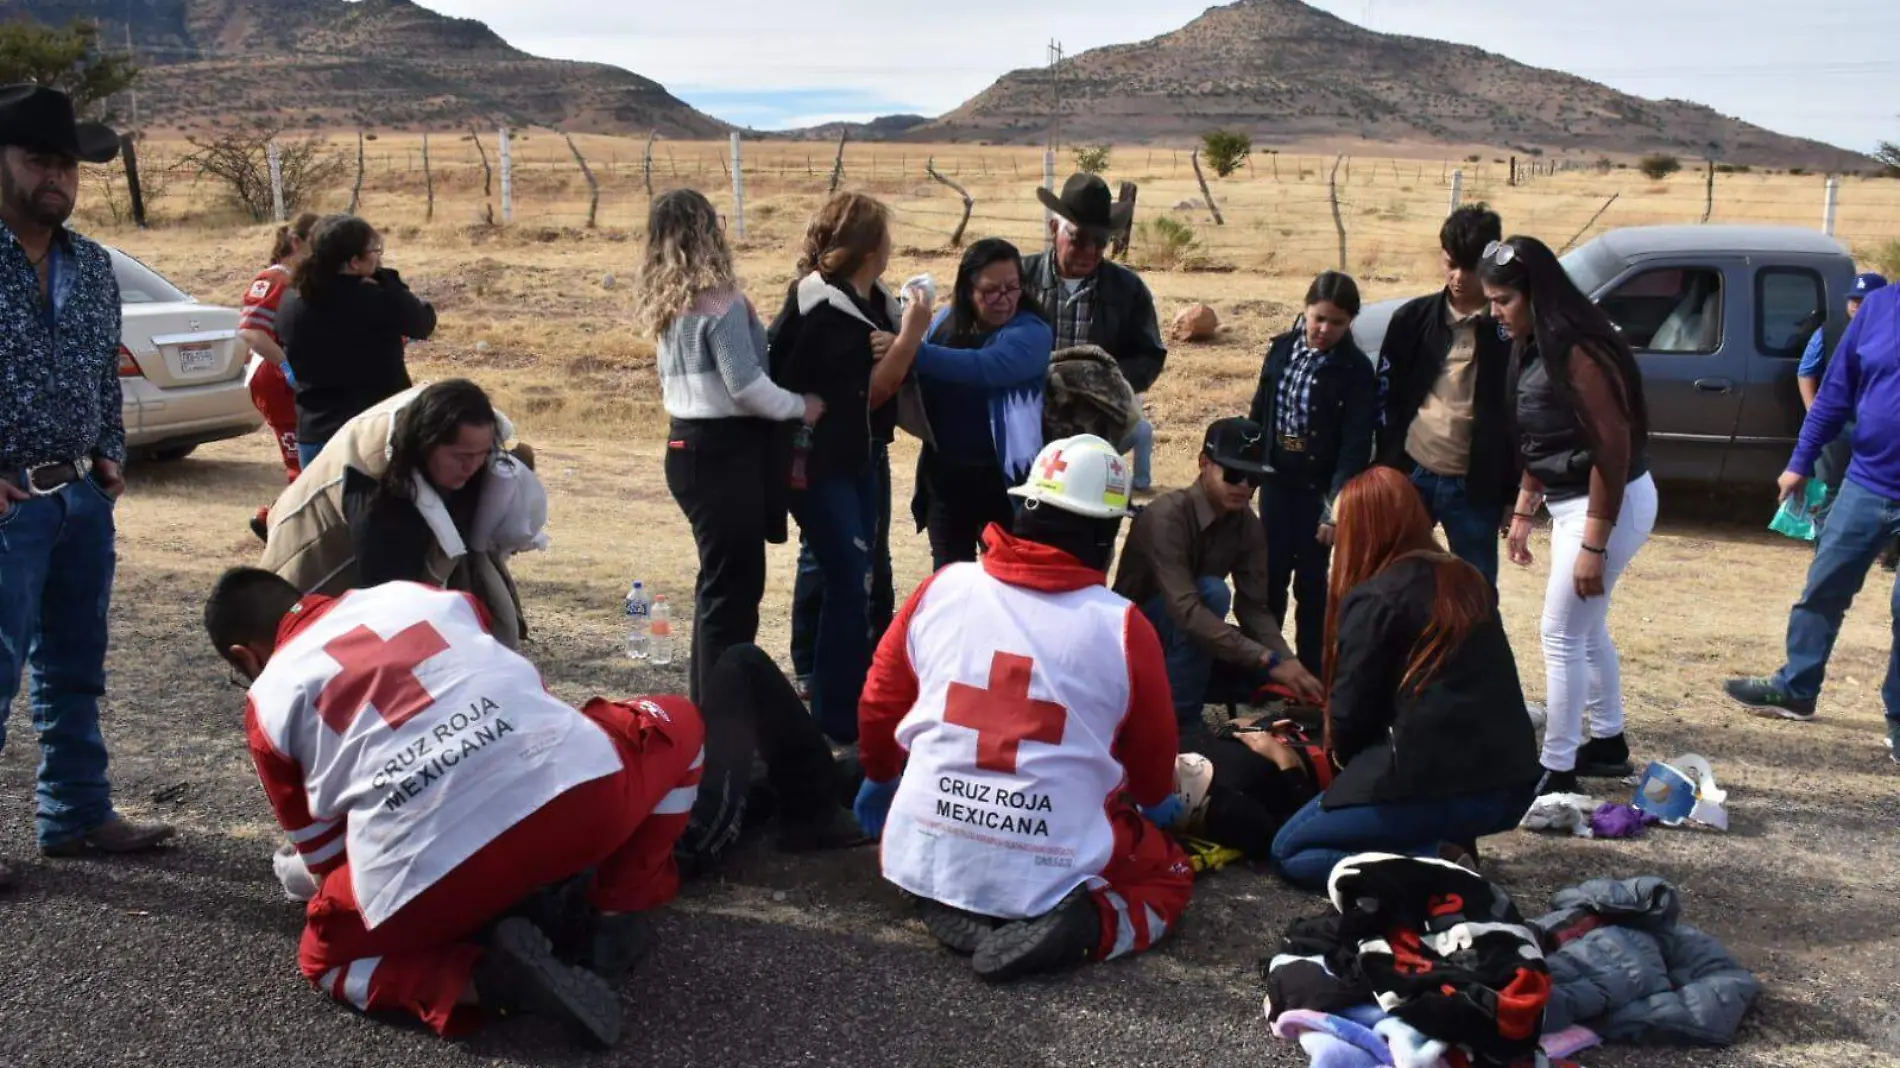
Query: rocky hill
x,y
1284,72
381,63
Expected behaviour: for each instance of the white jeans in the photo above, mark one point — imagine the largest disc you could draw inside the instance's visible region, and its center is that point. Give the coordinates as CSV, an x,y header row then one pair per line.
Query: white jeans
x,y
1581,670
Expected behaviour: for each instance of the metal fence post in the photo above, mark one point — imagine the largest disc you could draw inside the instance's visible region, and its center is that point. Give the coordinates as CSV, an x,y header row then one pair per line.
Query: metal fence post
x,y
507,179
1457,189
1831,206
276,181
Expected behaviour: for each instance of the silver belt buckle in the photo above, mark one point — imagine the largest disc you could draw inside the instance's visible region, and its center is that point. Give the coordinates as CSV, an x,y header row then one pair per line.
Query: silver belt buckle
x,y
82,466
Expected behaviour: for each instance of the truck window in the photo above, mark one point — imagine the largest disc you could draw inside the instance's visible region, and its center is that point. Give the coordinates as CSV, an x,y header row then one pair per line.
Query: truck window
x,y
1670,309
1790,304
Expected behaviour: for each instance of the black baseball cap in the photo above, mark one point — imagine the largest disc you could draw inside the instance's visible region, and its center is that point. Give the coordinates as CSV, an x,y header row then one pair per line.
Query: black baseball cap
x,y
1238,445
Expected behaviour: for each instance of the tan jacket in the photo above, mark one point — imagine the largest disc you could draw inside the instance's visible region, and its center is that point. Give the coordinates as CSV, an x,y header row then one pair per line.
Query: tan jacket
x,y
310,543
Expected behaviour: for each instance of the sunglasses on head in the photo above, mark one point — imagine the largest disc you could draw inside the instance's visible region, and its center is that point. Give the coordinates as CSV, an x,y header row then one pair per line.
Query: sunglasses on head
x,y
1499,253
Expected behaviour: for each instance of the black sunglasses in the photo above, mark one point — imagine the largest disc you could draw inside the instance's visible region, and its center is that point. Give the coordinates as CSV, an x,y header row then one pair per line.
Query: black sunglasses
x,y
1235,478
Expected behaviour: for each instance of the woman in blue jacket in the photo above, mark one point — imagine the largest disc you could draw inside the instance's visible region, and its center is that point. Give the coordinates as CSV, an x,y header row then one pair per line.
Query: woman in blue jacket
x,y
981,372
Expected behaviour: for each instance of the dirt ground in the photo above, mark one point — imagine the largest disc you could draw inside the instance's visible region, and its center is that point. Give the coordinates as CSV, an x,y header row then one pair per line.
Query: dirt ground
x,y
187,957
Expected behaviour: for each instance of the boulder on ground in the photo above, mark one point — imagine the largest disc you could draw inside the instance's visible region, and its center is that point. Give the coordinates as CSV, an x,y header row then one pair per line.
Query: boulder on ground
x,y
1197,322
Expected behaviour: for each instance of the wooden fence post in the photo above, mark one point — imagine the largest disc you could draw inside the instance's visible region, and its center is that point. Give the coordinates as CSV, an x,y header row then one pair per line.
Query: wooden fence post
x,y
593,187
837,165
1332,190
507,177
356,194
1206,194
488,180
646,162
930,168
1118,248
428,180
128,151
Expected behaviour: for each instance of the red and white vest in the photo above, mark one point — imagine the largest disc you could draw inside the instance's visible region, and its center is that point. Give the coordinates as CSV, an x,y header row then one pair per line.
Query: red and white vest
x,y
421,733
1003,807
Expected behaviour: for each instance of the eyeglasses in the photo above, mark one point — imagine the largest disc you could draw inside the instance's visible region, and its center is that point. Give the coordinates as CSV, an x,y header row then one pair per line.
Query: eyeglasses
x,y
1235,478
989,295
1499,253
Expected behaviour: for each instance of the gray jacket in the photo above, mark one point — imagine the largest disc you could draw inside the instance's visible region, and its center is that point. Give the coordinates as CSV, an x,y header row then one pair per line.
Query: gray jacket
x,y
1638,975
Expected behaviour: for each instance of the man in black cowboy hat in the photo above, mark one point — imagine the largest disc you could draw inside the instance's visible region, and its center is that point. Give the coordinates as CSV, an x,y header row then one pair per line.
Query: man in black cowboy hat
x,y
62,441
1175,565
1091,300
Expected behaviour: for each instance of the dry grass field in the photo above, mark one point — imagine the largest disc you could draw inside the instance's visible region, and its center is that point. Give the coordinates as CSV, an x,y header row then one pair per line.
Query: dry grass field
x,y
1802,887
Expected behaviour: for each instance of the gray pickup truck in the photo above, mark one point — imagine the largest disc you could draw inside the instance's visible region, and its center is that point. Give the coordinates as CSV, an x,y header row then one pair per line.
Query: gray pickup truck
x,y
1718,316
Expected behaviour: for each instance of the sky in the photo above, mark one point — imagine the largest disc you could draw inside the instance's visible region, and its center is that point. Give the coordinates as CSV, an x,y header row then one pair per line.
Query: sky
x,y
1827,69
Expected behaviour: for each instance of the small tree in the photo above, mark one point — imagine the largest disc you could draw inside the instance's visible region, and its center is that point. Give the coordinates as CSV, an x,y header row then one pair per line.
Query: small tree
x,y
239,161
66,59
1091,159
1889,156
1658,166
1225,150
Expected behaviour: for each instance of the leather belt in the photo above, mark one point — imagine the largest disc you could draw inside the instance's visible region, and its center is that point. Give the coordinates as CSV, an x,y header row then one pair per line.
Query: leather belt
x,y
1292,443
44,480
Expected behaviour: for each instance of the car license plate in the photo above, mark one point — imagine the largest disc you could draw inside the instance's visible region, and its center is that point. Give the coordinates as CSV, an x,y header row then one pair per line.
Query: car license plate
x,y
197,358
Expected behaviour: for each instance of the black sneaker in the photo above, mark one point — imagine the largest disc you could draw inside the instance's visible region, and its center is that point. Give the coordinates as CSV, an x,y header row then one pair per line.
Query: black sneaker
x,y
617,944
836,829
1558,782
258,528
1063,937
958,930
1764,695
519,972
1604,758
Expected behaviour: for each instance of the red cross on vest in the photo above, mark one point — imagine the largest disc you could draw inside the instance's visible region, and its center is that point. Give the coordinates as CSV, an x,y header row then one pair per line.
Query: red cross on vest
x,y
1054,466
380,673
1004,716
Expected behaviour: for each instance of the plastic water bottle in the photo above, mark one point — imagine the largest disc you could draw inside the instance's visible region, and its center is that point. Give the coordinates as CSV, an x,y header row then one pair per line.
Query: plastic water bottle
x,y
801,457
661,629
639,622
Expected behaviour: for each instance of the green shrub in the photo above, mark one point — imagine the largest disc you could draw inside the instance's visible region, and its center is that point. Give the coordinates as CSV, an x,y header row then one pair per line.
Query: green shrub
x,y
1225,150
1091,159
1164,242
1659,165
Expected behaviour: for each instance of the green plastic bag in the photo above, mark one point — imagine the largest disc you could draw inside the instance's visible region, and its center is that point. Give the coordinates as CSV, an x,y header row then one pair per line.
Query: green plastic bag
x,y
1796,517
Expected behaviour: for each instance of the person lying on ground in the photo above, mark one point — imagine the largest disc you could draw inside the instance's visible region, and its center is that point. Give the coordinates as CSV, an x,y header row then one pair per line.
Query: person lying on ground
x,y
1241,783
418,488
1016,713
1425,716
1175,566
431,785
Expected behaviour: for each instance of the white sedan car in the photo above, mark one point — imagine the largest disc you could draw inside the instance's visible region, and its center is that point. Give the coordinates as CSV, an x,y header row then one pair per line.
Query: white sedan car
x,y
183,369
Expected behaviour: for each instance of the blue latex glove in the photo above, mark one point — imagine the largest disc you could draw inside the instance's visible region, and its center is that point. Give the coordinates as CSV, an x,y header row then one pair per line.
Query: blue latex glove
x,y
874,804
1168,812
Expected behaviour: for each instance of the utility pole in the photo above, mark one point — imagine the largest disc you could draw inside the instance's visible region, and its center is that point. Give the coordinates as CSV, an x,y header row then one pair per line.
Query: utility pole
x,y
1055,100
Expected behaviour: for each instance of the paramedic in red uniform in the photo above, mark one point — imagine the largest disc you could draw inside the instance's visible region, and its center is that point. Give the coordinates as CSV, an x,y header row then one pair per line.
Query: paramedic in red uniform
x,y
271,390
431,784
1016,714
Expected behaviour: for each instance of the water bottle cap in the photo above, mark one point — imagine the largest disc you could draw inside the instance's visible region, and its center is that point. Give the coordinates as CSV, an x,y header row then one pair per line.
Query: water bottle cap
x,y
659,597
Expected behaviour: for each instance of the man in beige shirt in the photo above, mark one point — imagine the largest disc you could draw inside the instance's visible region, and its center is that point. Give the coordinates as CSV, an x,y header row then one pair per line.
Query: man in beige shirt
x,y
1180,553
1443,370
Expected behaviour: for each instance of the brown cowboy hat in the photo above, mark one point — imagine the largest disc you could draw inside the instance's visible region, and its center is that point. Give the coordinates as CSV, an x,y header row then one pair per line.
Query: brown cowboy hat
x,y
42,120
1086,204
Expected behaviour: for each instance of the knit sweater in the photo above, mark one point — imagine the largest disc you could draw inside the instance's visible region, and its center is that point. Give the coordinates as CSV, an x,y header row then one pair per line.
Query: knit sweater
x,y
712,364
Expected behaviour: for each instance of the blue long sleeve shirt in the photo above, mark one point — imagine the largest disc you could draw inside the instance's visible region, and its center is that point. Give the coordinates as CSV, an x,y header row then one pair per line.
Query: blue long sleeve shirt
x,y
1863,386
999,384
59,370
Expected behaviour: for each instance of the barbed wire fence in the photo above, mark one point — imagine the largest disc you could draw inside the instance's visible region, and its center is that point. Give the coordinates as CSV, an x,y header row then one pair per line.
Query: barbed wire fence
x,y
1276,213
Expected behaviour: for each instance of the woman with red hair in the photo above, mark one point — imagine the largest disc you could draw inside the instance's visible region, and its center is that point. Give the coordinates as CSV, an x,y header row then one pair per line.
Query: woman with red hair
x,y
1425,717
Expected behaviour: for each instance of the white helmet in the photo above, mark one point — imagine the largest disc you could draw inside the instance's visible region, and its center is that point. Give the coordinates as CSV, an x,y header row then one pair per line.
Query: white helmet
x,y
1082,474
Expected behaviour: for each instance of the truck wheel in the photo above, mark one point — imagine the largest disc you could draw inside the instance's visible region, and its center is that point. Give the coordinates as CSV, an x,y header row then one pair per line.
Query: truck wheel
x,y
165,456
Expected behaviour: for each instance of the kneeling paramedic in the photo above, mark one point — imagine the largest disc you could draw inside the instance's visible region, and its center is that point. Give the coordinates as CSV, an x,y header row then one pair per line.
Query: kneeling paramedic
x,y
1016,714
434,791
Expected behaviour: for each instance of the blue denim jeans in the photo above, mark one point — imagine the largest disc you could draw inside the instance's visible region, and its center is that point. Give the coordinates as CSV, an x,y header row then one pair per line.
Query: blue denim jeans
x,y
1316,839
1858,525
57,558
808,587
1195,677
1291,514
307,452
1142,444
838,518
1471,530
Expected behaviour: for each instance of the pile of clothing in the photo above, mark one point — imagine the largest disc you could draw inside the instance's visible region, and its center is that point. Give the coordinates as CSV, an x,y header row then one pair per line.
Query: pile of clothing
x,y
1456,974
1424,964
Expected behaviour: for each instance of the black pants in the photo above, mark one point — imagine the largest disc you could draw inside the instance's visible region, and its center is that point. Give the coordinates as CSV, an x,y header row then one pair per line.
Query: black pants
x,y
956,503
1251,797
716,470
1291,512
753,716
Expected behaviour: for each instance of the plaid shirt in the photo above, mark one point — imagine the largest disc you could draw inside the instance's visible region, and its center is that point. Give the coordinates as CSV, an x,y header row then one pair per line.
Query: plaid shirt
x,y
1074,312
1293,401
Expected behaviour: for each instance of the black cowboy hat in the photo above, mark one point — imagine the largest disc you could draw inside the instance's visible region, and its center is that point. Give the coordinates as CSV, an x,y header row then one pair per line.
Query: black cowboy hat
x,y
1086,204
41,119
